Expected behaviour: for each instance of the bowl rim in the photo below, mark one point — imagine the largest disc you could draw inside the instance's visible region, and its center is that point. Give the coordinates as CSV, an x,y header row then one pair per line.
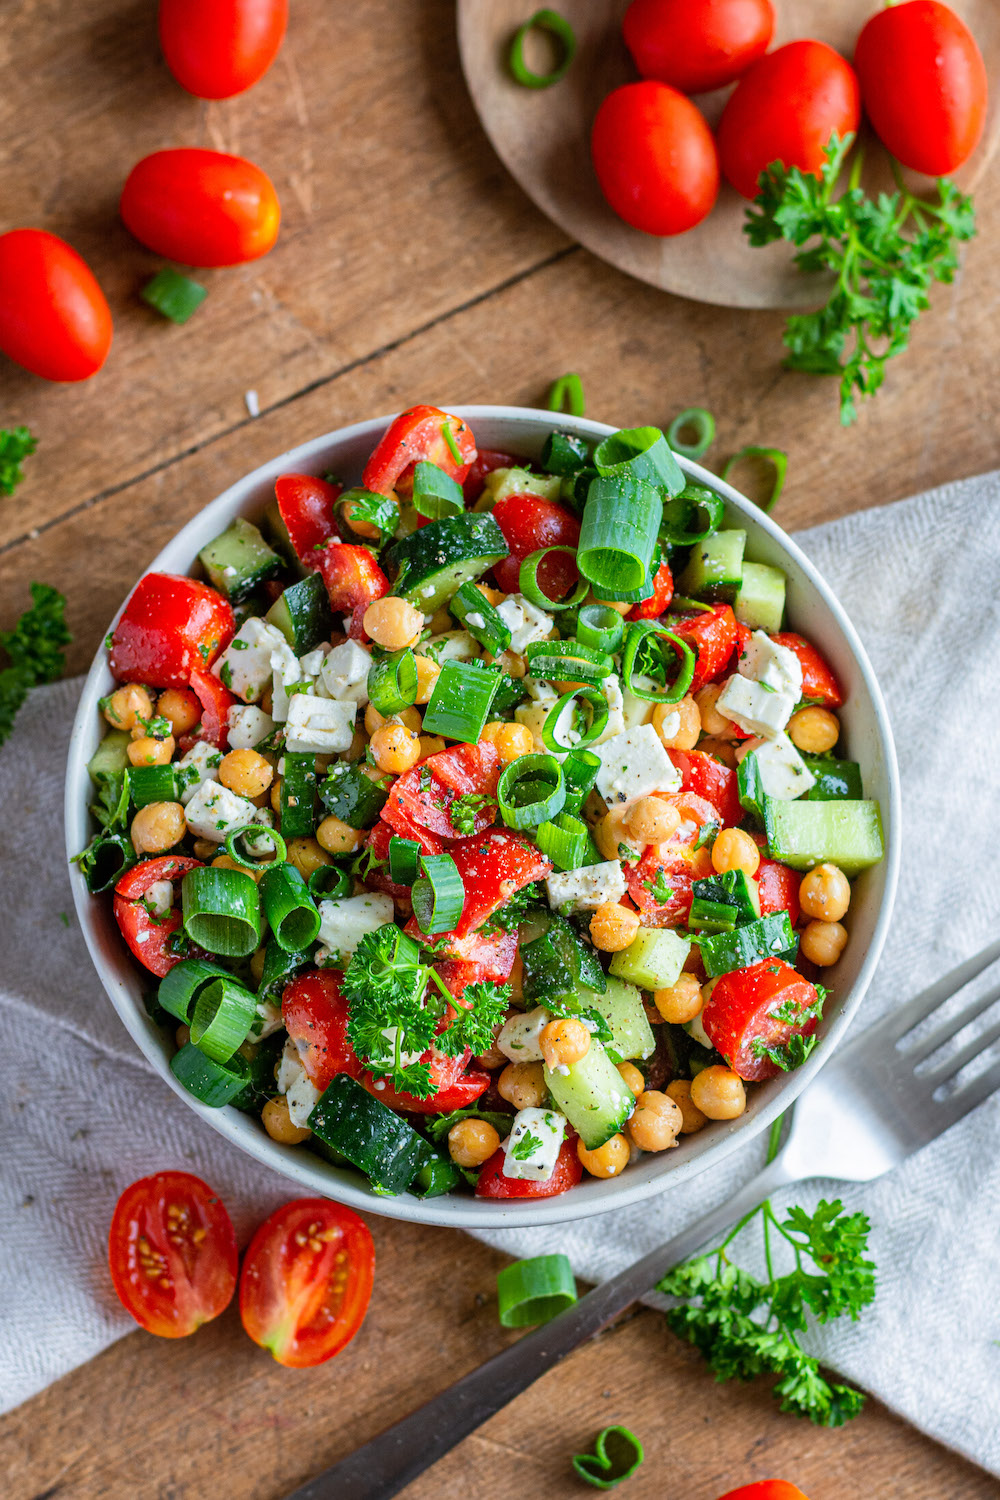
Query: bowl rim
x,y
343,1185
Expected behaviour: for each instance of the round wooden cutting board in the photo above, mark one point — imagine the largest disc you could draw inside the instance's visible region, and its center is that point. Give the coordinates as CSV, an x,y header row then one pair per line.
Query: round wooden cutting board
x,y
542,137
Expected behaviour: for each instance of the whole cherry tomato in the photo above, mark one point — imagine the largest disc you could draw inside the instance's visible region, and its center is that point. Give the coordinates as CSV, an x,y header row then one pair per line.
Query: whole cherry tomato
x,y
696,45
924,85
202,208
655,158
54,319
785,109
765,1489
218,48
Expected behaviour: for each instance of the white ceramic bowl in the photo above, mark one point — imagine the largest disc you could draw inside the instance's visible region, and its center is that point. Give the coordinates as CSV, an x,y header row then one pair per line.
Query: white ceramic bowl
x,y
812,609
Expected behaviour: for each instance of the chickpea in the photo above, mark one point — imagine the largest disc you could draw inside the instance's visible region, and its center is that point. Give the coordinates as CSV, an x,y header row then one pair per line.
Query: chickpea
x,y
823,943
430,744
203,849
442,622
408,717
523,1085
306,855
392,623
678,724
719,1093
147,751
182,1035
359,743
225,862
278,1123
825,893
395,748
158,826
814,730
611,831
246,773
616,604
564,1042
361,527
609,1160
680,1092
267,700
337,837
631,1075
735,850
712,722
681,1002
492,596
128,704
723,750
514,665
652,820
428,673
512,741
180,707
257,965
656,1121
471,1142
276,794
613,928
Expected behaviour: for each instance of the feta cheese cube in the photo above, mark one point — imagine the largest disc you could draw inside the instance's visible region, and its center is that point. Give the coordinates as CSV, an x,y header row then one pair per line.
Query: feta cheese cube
x,y
518,1036
531,1149
638,711
214,811
345,672
525,621
203,759
248,726
319,726
772,665
160,897
266,1022
540,692
634,764
300,1094
312,663
286,672
783,772
585,889
245,665
453,645
611,688
756,709
255,845
343,923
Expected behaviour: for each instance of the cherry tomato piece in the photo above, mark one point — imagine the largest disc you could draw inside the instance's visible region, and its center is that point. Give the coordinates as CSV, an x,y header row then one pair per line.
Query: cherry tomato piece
x,y
709,778
655,158
202,208
487,459
766,1489
147,936
307,1281
697,45
172,1253
566,1174
778,889
493,866
353,580
170,628
419,435
713,634
674,865
819,685
306,507
54,319
786,108
216,701
218,48
529,523
740,1018
423,795
663,592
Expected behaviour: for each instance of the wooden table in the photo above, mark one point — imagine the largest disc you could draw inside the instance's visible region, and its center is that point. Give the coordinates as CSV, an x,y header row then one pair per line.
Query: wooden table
x,y
409,269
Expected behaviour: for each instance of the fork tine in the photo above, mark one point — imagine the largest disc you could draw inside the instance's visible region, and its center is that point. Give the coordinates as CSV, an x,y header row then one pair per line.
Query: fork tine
x,y
899,1022
942,1071
966,1099
951,1026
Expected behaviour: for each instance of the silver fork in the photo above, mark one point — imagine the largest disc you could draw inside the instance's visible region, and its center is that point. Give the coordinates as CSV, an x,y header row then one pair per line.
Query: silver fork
x,y
864,1113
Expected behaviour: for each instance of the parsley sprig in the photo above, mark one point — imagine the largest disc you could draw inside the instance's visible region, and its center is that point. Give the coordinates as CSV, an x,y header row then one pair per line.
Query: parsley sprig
x,y
16,443
793,1052
35,650
885,254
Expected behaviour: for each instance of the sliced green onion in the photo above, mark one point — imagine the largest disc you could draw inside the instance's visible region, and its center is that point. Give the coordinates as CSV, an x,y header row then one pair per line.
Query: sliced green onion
x,y
177,297
366,505
158,783
568,661
580,770
704,425
640,453
682,602
352,795
460,702
598,720
618,533
105,860
481,619
439,895
641,630
279,966
692,516
542,791
330,882
179,989
616,1456
600,626
404,860
450,443
566,393
392,682
574,488
221,911
221,1018
212,1083
436,1177
527,581
564,840
289,907
563,453
247,862
776,457
533,1291
435,494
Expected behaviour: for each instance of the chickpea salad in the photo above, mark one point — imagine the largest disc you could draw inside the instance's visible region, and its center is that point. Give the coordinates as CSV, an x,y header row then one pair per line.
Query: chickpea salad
x,y
480,825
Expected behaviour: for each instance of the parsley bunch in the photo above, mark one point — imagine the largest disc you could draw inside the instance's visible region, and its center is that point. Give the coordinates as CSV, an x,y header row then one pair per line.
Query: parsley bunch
x,y
16,443
35,650
884,253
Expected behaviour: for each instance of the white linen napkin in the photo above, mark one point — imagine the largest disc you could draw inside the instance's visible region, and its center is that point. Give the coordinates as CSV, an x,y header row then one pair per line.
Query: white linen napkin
x,y
85,1115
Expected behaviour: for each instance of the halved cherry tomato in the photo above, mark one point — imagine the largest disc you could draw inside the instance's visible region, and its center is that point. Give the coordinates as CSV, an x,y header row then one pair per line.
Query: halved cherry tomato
x,y
487,459
655,158
566,1174
202,208
766,1489
491,954
218,48
663,592
819,685
419,435
146,935
305,505
529,523
778,889
377,877
54,319
678,862
697,45
423,796
307,1281
172,1253
353,580
709,778
786,108
170,628
216,701
493,866
712,633
741,1012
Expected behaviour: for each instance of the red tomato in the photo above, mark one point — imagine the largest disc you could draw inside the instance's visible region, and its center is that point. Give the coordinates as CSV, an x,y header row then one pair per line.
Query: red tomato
x,y
740,1012
377,877
307,1281
778,889
146,935
819,685
529,523
54,319
712,633
655,158
490,954
766,1489
677,860
218,48
924,85
172,1253
785,109
663,592
353,580
170,628
697,45
423,795
709,778
216,701
487,459
416,436
202,208
493,866
566,1174
305,505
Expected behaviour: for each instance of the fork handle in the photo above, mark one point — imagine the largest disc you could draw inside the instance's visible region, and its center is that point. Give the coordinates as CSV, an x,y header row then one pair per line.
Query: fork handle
x,y
395,1457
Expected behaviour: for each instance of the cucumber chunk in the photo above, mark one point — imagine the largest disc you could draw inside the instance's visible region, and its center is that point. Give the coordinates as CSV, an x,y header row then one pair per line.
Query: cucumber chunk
x,y
372,1137
303,614
430,566
653,961
803,834
111,756
239,560
297,814
768,937
836,780
715,567
760,602
622,1008
593,1096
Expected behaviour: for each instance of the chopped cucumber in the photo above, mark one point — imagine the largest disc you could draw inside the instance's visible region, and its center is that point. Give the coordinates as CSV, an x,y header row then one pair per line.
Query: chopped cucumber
x,y
303,614
430,566
721,902
760,602
111,756
749,787
715,567
593,1096
653,961
803,834
503,482
298,796
622,1008
767,937
239,560
558,963
836,780
372,1137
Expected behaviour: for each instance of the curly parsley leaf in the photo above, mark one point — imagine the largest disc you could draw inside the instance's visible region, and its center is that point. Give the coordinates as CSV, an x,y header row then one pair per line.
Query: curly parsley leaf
x,y
16,444
481,1009
367,508
793,1052
462,811
35,650
658,889
526,1146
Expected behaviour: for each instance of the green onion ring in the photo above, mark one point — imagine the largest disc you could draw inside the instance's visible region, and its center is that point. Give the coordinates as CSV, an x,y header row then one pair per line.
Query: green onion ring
x,y
640,453
543,771
404,860
291,912
449,437
180,987
220,1021
776,457
210,1082
330,882
392,682
221,910
598,720
676,528
568,661
616,1456
563,840
704,424
527,581
533,1291
439,895
600,626
580,770
281,848
566,393
633,640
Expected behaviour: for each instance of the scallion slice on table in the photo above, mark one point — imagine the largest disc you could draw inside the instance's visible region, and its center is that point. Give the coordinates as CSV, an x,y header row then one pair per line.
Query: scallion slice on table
x,y
651,632
702,422
532,589
564,840
566,393
438,895
778,460
616,1456
329,882
435,493
600,626
404,860
640,453
221,911
618,534
480,618
212,1083
531,790
221,1018
564,453
460,702
580,770
392,682
177,297
255,830
568,661
180,987
691,516
289,907
554,724
533,1291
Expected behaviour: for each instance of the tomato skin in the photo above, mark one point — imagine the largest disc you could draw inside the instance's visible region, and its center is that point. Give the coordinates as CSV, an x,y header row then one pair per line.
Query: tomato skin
x,y
202,1278
778,889
202,208
655,158
353,580
529,523
415,436
305,505
924,85
819,685
697,45
425,800
766,1489
493,866
713,634
566,1174
216,701
170,628
785,109
739,1011
54,319
147,938
218,48
307,1281
663,592
709,778
679,861
486,460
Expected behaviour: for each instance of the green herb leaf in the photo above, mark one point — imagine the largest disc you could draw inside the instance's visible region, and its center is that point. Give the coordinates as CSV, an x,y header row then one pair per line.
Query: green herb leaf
x,y
16,443
35,650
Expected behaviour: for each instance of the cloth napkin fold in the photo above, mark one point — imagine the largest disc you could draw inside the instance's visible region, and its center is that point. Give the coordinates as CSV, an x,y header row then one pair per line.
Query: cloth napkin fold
x,y
85,1115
